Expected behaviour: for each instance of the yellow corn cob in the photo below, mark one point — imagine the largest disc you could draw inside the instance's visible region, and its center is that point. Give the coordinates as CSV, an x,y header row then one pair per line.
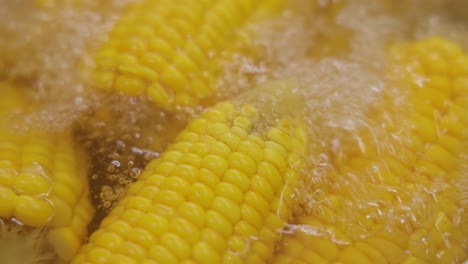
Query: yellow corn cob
x,y
173,52
221,193
43,180
397,198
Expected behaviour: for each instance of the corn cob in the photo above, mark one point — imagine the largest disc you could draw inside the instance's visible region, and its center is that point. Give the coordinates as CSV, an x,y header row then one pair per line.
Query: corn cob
x,y
173,52
399,201
43,180
220,193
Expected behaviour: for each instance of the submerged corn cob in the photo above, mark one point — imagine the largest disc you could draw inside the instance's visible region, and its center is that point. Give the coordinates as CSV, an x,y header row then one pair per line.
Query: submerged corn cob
x,y
173,52
43,181
397,198
220,194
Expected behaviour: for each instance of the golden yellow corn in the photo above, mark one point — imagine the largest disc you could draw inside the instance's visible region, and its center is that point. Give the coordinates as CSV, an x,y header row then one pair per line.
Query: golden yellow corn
x,y
173,52
220,194
43,179
398,197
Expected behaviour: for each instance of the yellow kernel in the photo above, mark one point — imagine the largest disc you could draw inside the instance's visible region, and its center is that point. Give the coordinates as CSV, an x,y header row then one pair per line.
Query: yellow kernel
x,y
262,250
251,215
153,60
154,223
136,202
32,184
460,86
218,222
280,137
176,244
130,85
351,254
238,244
250,112
201,88
275,158
218,129
138,71
242,228
184,228
172,156
254,258
162,167
452,125
258,202
186,172
274,222
169,198
243,123
241,133
191,159
192,212
227,208
121,259
184,98
33,211
215,116
184,63
161,46
98,255
200,149
242,162
177,185
159,95
148,192
62,212
64,242
440,156
231,139
132,250
229,191
435,64
374,255
262,186
413,260
214,239
219,148
118,227
141,236
203,253
103,79
269,171
108,240
201,194
7,202
237,178
215,163
131,216
209,178
149,261
252,150
390,251
324,247
162,255
188,136
424,127
293,247
173,78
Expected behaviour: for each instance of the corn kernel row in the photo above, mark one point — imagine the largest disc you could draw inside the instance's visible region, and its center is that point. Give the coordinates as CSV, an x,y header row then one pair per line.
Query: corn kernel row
x,y
397,198
221,193
173,52
43,179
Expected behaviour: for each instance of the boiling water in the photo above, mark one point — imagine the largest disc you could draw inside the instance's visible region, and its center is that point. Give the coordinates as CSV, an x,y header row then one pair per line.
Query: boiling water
x,y
334,50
